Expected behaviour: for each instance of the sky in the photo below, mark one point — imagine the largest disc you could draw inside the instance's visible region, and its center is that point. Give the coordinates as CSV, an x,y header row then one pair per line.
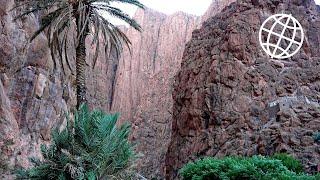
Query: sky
x,y
196,7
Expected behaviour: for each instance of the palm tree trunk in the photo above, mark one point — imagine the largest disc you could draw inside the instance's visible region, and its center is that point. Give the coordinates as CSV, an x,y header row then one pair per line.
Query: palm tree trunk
x,y
81,60
81,71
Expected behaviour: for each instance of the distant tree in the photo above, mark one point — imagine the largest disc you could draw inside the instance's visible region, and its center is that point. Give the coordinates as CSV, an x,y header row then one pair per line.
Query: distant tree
x,y
85,17
91,147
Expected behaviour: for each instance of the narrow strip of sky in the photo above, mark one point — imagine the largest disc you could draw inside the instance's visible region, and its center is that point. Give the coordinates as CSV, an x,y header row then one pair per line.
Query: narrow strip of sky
x,y
195,7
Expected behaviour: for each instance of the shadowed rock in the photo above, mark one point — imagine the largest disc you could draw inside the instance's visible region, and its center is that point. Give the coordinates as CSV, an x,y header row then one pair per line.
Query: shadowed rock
x,y
230,98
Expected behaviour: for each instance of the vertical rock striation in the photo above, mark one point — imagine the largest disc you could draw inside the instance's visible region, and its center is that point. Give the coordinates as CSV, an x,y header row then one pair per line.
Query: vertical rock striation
x,y
143,91
230,98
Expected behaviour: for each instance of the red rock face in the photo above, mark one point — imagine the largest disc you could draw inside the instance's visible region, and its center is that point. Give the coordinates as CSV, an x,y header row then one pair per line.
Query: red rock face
x,y
34,98
215,7
8,136
143,91
144,80
31,95
230,98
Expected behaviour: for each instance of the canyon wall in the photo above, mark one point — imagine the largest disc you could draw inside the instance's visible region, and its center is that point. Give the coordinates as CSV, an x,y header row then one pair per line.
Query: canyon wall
x,y
31,93
35,96
143,91
215,7
230,98
144,80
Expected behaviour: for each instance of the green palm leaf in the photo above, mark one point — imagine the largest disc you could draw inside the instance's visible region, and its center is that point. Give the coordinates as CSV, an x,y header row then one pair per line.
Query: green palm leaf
x,y
62,14
85,17
91,146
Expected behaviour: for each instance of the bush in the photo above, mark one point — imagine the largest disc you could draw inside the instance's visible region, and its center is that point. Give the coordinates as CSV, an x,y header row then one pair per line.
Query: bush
x,y
290,162
237,168
90,148
316,137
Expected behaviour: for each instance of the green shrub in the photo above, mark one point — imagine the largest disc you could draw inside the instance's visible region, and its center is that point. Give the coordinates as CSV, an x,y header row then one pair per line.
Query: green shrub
x,y
91,147
290,162
316,137
238,168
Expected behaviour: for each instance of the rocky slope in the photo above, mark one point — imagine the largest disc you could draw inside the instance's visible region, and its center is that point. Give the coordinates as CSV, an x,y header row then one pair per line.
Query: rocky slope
x,y
230,98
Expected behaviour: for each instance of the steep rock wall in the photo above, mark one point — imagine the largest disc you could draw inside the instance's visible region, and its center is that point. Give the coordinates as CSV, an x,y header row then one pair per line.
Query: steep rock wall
x,y
143,91
35,97
215,7
31,93
230,98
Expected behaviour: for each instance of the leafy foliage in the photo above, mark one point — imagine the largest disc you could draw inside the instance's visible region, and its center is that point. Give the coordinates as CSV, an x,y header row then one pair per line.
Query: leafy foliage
x,y
62,17
316,137
290,162
90,148
236,168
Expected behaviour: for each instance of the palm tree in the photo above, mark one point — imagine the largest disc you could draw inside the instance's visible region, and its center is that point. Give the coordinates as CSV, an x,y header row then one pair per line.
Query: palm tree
x,y
85,17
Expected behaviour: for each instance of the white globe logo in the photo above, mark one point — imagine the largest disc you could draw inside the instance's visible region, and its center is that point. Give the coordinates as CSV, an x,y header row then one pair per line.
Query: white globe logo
x,y
281,36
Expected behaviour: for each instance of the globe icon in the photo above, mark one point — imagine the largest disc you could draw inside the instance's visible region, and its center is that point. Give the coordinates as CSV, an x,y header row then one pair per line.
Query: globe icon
x,y
281,36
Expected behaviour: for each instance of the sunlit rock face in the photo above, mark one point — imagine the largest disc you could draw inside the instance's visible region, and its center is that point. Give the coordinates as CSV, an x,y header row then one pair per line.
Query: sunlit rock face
x,y
144,80
143,90
230,98
215,7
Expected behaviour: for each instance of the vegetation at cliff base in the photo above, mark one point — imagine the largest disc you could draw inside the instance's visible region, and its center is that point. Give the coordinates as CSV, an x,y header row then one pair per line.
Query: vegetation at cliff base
x,y
92,147
289,161
237,168
316,137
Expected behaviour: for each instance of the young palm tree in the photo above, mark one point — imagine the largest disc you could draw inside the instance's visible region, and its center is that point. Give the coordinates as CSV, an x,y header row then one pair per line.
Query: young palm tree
x,y
85,17
90,147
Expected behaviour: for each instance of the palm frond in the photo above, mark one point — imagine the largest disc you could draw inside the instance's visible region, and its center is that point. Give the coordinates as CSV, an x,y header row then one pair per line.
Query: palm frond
x,y
85,16
117,13
90,146
132,2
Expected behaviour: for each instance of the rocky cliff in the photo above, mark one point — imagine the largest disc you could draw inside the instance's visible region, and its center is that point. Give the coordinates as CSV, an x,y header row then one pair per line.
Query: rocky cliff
x,y
230,98
215,7
31,93
35,97
143,87
143,91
